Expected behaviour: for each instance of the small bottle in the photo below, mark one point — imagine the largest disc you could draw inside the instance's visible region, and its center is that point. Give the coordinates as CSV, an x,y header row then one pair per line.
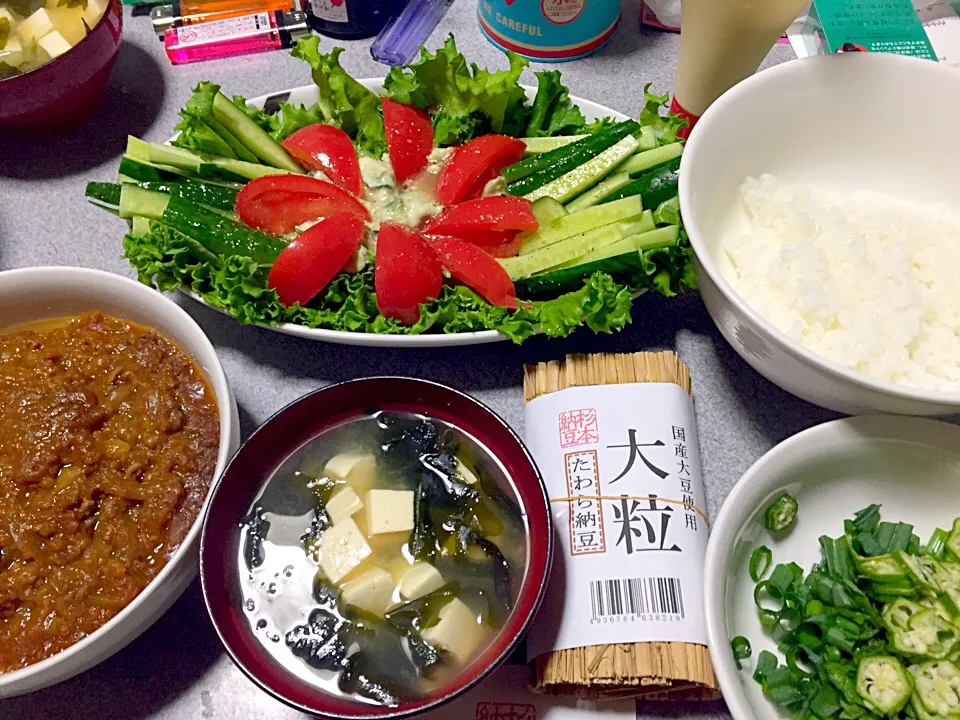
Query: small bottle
x,y
186,12
244,35
351,19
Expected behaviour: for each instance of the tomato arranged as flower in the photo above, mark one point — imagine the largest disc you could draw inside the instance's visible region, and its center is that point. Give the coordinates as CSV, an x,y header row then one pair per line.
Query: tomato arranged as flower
x,y
314,257
328,149
406,273
409,135
277,204
484,220
476,269
466,237
473,165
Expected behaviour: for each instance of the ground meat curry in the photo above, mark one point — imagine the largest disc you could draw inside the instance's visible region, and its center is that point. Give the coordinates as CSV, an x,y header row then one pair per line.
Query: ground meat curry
x,y
109,437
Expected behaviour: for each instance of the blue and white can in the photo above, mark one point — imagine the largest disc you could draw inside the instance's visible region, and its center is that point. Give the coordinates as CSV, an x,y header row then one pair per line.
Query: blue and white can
x,y
549,30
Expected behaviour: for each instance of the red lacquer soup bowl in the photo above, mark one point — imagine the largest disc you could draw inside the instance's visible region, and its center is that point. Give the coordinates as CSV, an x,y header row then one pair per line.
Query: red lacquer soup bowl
x,y
289,430
66,91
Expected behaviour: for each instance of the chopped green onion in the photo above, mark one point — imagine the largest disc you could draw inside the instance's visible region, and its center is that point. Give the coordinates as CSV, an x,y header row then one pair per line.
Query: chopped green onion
x,y
781,513
876,603
826,703
767,590
760,561
937,546
790,619
768,618
741,649
809,634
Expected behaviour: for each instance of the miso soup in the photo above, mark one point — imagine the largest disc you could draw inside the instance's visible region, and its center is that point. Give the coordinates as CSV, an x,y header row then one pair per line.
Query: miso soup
x,y
34,32
383,557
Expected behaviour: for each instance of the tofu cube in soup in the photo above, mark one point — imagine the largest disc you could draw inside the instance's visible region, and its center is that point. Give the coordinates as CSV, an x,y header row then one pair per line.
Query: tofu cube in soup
x,y
54,44
342,549
358,470
343,504
421,579
372,591
458,631
389,511
35,27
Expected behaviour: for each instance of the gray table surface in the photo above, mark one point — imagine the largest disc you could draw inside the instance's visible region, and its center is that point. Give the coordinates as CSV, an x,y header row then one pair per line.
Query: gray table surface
x,y
177,669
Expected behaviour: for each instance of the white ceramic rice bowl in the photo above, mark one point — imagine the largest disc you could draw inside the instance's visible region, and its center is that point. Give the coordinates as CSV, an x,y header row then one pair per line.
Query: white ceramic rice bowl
x,y
850,121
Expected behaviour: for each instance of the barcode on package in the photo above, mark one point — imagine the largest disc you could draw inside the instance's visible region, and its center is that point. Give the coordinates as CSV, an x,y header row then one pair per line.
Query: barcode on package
x,y
652,596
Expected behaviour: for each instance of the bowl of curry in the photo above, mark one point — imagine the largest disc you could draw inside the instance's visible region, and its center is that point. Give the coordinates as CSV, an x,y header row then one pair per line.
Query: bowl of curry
x,y
115,419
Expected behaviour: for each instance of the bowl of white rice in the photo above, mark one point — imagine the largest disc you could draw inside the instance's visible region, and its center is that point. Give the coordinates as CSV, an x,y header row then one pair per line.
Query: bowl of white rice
x,y
822,200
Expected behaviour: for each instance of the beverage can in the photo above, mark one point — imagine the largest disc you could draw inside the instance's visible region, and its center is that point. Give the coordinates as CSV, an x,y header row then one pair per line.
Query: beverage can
x,y
549,30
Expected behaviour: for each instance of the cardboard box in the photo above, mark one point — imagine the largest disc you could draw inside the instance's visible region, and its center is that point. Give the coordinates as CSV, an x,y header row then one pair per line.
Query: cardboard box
x,y
890,26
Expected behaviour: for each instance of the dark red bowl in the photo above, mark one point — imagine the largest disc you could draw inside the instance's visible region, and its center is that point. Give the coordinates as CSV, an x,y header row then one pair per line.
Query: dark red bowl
x,y
66,91
287,431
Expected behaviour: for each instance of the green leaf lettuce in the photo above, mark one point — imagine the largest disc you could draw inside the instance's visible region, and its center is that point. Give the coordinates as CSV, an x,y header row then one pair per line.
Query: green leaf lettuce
x,y
343,101
464,100
553,113
656,114
166,259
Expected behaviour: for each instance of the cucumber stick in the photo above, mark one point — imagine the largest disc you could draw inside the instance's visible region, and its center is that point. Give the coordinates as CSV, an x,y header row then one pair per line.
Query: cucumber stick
x,y
640,242
648,138
584,177
578,246
136,170
228,167
581,222
599,192
136,201
252,135
103,194
643,161
193,164
158,154
655,186
627,267
537,170
220,235
540,145
140,226
546,210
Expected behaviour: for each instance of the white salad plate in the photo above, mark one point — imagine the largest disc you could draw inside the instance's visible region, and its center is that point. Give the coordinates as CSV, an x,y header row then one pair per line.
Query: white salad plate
x,y
908,465
308,95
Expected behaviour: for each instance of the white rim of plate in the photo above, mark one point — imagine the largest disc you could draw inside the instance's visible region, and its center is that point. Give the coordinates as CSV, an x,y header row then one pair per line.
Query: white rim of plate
x,y
425,340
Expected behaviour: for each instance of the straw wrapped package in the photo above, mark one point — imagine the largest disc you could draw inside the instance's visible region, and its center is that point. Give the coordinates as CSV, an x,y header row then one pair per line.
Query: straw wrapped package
x,y
655,670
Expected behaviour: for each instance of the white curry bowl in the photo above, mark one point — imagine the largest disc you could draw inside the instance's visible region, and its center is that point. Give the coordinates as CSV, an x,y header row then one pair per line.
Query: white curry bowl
x,y
848,122
910,466
51,292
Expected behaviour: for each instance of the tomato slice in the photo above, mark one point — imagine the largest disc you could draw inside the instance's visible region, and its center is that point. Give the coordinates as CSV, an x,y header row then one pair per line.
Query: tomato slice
x,y
475,164
278,203
476,269
508,245
409,135
328,149
314,257
484,220
406,273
